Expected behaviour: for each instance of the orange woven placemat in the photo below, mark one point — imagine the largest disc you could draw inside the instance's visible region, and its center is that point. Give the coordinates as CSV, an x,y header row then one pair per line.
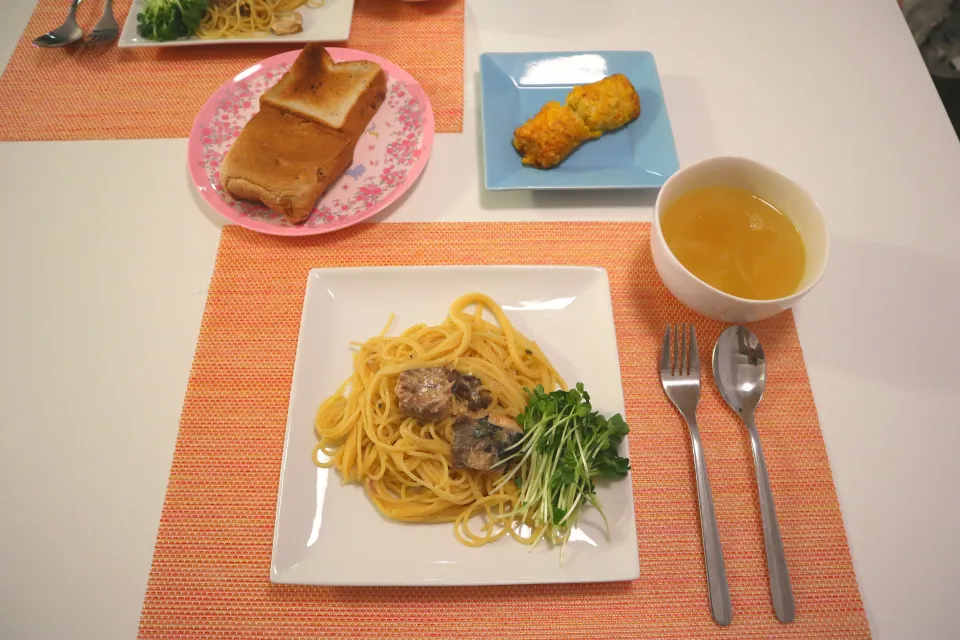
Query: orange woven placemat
x,y
210,574
105,93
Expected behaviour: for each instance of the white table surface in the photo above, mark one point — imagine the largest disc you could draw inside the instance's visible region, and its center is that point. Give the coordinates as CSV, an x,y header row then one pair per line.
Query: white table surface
x,y
105,257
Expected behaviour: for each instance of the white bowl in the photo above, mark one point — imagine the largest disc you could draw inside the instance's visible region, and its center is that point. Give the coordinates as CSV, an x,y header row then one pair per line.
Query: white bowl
x,y
772,186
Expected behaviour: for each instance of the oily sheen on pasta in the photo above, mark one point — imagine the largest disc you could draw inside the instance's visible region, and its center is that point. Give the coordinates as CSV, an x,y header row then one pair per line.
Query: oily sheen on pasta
x,y
404,464
246,18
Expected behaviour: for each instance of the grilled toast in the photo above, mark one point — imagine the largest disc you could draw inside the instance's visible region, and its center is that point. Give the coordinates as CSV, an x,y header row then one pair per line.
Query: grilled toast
x,y
305,133
343,96
285,162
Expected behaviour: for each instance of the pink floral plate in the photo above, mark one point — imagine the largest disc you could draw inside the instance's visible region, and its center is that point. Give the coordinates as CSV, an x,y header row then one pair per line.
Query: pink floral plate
x,y
388,159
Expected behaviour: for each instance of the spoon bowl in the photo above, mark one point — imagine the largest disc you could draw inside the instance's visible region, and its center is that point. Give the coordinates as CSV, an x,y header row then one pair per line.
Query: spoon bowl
x,y
60,37
740,369
67,33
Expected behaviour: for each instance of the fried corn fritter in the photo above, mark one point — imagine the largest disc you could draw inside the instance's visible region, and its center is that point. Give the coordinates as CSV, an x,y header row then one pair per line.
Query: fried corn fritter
x,y
547,138
605,105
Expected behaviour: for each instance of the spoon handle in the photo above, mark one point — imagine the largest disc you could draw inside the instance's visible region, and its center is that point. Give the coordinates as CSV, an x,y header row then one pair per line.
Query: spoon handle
x,y
780,589
717,587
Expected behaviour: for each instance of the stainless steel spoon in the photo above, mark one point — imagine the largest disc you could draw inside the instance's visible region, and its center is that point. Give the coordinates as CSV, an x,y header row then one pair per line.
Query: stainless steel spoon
x,y
67,33
740,370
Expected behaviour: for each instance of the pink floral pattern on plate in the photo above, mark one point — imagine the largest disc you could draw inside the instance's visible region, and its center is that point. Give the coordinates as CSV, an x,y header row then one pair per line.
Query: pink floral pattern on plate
x,y
389,157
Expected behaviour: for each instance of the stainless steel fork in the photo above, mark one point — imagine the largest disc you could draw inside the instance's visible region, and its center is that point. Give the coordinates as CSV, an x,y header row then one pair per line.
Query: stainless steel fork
x,y
680,376
107,28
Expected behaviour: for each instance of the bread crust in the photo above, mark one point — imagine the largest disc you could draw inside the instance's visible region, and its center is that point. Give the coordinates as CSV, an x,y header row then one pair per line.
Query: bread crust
x,y
285,162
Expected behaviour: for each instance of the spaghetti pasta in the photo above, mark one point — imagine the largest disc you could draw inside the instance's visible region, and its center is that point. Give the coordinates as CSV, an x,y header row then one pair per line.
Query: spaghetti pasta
x,y
405,465
247,18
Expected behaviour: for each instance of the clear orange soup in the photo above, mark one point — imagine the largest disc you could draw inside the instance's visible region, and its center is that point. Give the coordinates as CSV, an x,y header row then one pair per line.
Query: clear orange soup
x,y
735,242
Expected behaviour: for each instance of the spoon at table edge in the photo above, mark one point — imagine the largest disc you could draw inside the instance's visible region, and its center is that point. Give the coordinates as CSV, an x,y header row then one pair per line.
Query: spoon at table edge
x,y
740,371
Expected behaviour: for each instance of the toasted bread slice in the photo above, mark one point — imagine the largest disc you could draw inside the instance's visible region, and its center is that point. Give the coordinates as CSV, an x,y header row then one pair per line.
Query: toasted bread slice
x,y
285,162
343,96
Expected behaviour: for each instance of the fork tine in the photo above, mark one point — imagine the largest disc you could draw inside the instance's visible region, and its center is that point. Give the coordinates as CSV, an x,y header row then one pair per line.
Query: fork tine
x,y
665,353
694,353
683,364
675,368
97,35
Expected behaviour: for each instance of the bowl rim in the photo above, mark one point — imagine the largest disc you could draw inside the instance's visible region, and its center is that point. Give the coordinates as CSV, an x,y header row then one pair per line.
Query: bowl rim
x,y
759,165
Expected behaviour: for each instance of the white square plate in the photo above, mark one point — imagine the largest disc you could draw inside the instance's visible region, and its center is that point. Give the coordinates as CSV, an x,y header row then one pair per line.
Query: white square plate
x,y
329,533
329,23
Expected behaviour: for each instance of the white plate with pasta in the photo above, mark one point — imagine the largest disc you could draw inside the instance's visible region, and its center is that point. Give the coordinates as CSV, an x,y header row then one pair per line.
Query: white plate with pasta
x,y
242,21
372,496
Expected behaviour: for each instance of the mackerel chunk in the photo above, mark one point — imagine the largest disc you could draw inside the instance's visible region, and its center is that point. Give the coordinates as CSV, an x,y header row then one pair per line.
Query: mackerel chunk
x,y
425,394
479,443
469,390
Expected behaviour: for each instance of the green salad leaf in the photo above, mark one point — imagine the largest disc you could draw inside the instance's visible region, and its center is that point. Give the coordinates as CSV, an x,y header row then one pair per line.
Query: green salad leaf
x,y
163,20
565,446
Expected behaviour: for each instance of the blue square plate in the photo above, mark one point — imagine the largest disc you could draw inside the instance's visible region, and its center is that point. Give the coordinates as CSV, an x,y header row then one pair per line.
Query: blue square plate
x,y
515,85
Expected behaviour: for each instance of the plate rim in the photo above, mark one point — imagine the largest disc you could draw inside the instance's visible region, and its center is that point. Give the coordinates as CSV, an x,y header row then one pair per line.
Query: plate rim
x,y
277,578
200,182
520,55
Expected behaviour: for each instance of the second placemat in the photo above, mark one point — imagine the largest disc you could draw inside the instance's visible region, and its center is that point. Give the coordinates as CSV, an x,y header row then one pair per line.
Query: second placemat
x,y
107,93
211,567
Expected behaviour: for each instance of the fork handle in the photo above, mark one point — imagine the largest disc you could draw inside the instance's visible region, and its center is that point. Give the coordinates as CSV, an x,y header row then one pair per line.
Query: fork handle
x,y
717,586
780,590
